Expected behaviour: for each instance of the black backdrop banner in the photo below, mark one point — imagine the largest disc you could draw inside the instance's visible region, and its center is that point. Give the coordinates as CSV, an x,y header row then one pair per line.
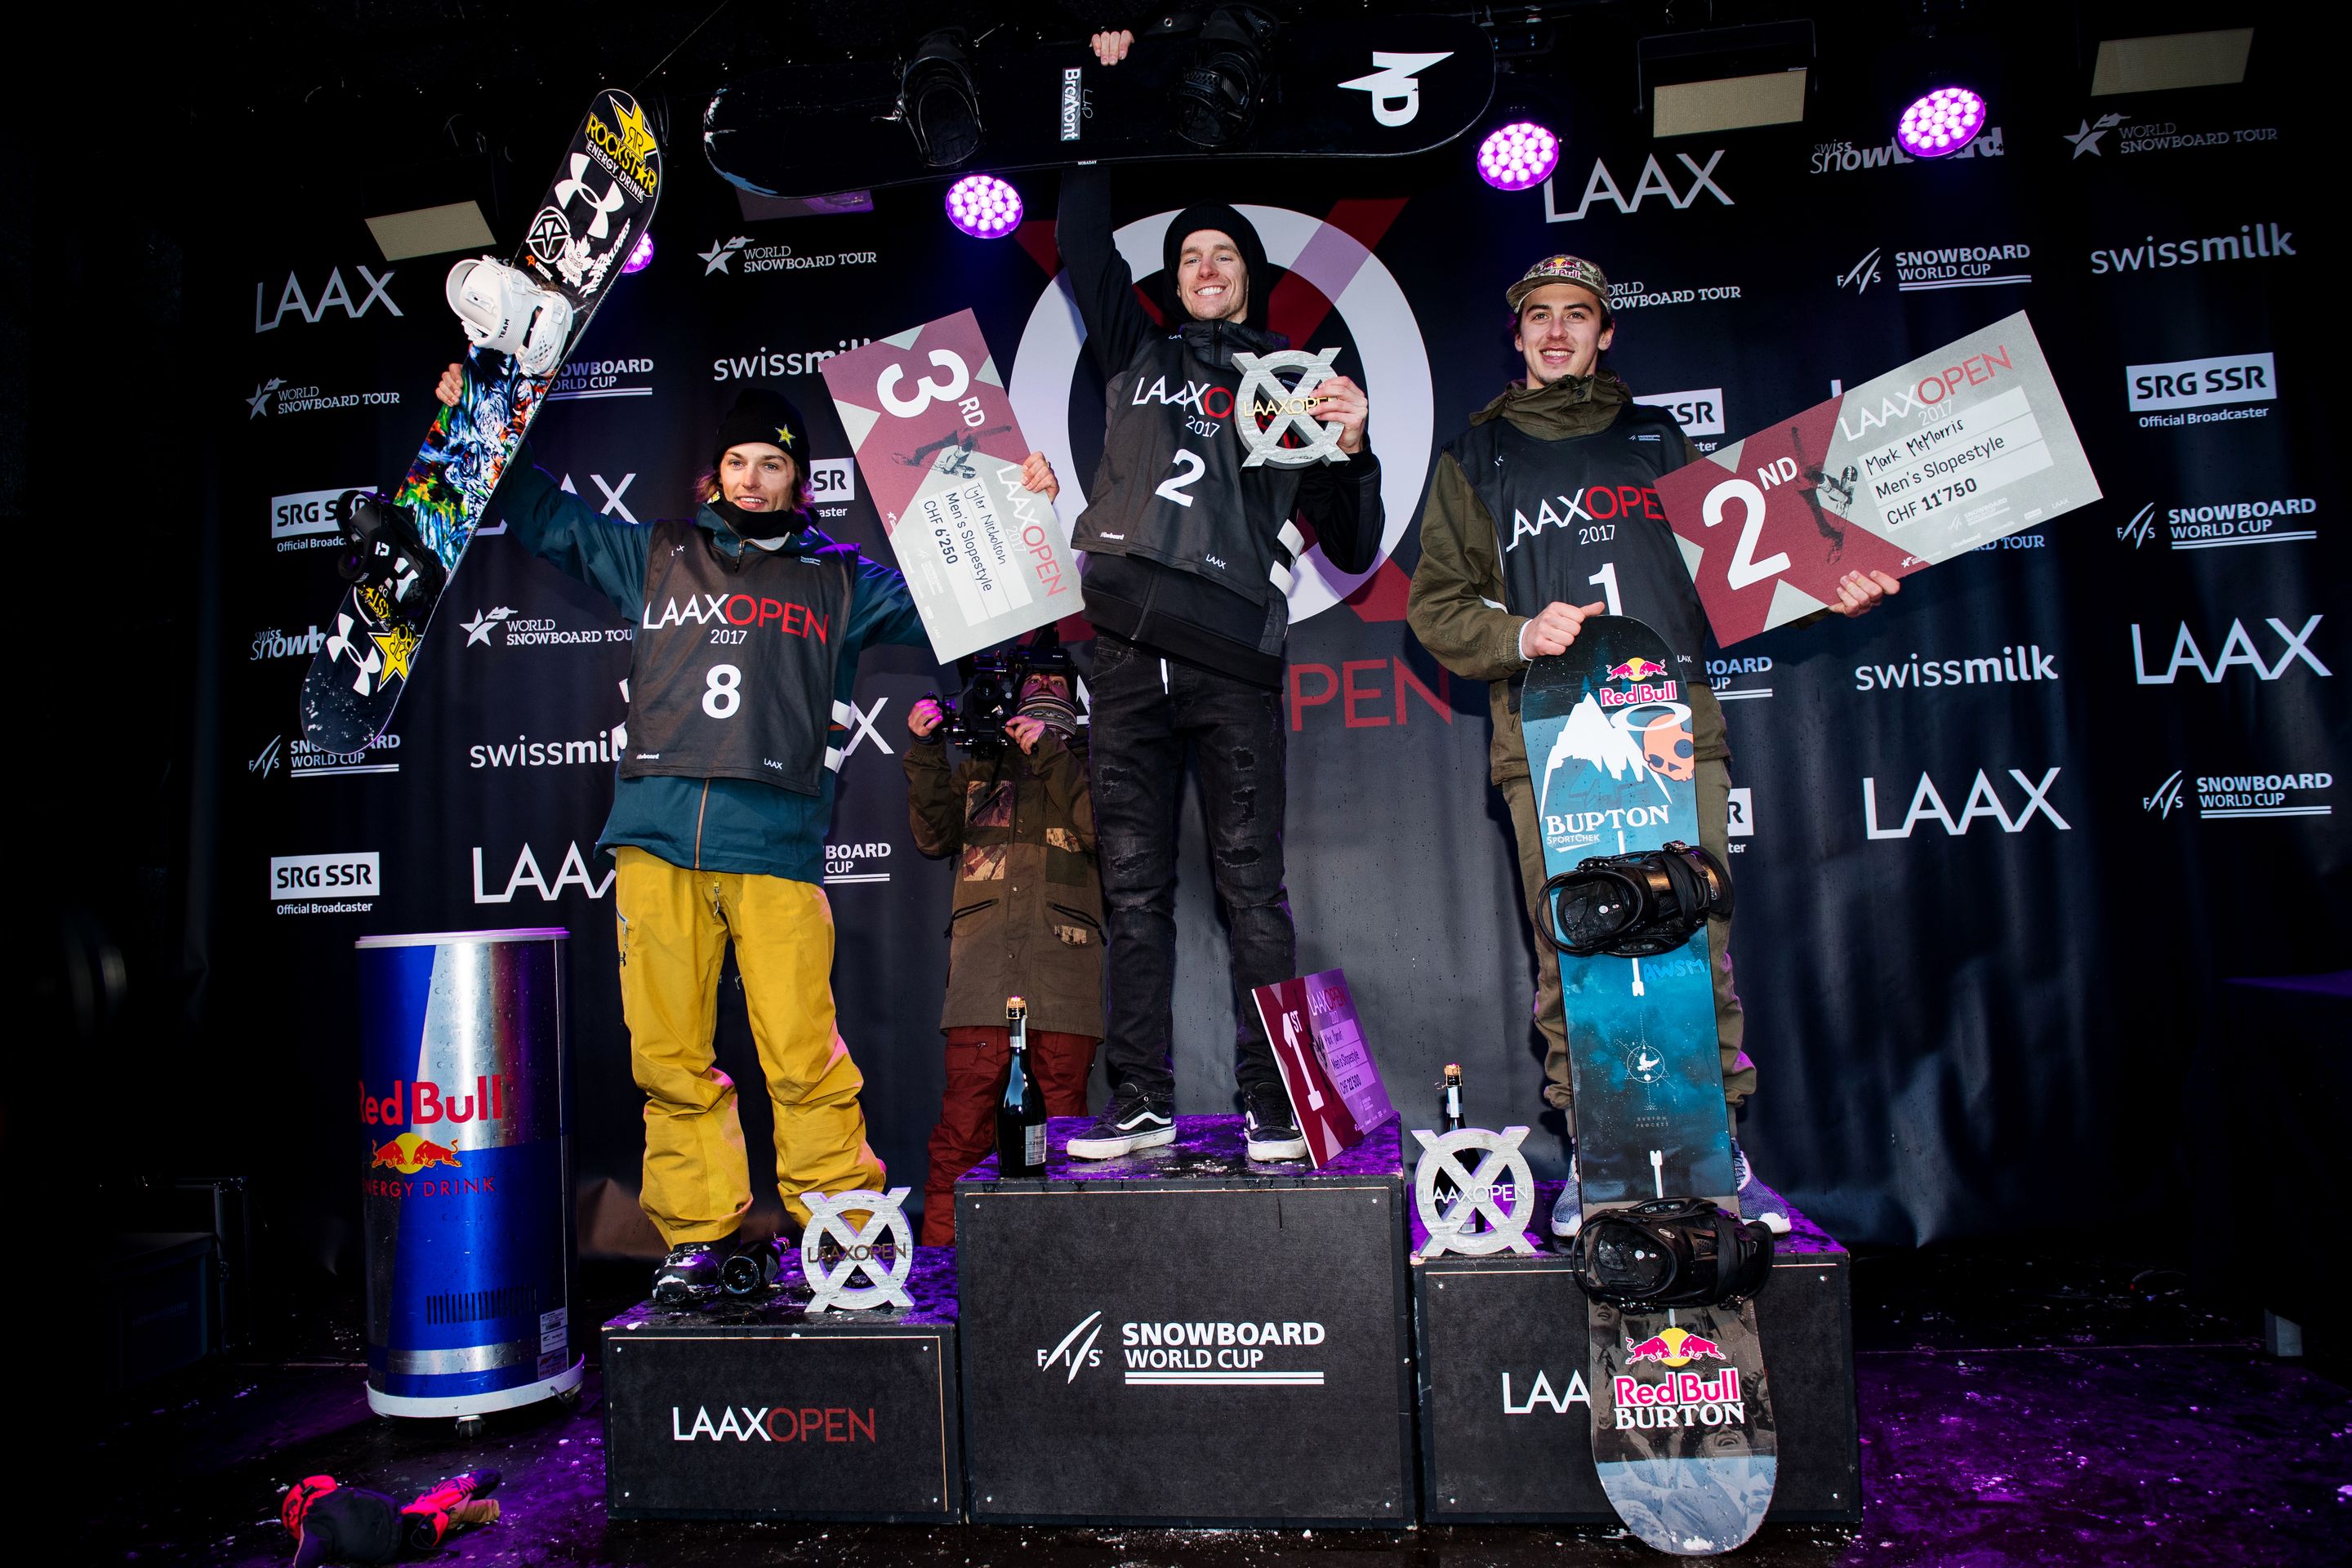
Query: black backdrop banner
x,y
1997,843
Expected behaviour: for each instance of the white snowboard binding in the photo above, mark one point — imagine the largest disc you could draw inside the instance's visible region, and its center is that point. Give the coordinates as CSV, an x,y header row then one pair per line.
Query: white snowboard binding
x,y
502,309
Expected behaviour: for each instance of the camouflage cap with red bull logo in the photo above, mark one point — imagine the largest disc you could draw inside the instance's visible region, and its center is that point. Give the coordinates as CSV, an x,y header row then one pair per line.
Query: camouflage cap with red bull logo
x,y
1573,270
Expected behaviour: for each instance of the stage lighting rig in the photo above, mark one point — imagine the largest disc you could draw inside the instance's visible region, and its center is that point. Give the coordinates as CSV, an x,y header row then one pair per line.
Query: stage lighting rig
x,y
938,101
1939,123
984,206
1517,156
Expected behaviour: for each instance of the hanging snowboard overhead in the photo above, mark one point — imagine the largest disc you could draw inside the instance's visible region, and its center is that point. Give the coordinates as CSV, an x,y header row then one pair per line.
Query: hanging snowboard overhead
x,y
1239,86
521,319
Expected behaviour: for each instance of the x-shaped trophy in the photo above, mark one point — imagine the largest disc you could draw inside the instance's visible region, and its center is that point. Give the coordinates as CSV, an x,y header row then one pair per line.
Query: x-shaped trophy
x,y
886,1221
1501,1164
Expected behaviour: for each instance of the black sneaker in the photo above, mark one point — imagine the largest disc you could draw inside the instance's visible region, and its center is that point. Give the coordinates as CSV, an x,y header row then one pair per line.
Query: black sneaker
x,y
1273,1132
1135,1119
690,1273
1568,1209
1739,1172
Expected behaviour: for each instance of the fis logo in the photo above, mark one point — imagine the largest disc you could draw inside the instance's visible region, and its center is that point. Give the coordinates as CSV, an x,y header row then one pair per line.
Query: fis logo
x,y
1075,1352
2166,797
1861,274
1674,1348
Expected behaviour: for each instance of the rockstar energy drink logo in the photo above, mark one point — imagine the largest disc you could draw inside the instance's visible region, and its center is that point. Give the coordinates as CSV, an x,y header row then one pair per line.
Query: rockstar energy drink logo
x,y
627,144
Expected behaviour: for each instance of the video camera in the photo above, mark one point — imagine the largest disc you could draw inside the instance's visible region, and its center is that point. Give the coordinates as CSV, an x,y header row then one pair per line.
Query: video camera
x,y
992,680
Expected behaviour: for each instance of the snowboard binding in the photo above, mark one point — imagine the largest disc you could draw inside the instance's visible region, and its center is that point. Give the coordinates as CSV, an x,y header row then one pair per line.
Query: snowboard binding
x,y
387,555
1671,1252
1216,100
1637,905
502,309
937,100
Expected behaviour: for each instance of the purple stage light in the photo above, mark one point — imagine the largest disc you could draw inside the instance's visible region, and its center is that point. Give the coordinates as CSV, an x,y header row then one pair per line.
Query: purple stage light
x,y
1520,154
1941,123
641,255
983,207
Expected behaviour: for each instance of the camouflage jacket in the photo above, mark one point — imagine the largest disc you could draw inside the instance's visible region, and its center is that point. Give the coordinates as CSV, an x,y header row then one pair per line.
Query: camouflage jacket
x,y
1027,911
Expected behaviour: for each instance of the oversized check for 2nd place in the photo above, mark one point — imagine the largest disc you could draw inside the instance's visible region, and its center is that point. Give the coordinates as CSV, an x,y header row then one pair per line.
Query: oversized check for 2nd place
x,y
1919,465
927,414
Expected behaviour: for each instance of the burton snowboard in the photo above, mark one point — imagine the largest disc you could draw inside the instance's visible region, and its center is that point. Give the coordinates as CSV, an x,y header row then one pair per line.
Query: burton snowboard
x,y
1373,86
522,318
1682,1434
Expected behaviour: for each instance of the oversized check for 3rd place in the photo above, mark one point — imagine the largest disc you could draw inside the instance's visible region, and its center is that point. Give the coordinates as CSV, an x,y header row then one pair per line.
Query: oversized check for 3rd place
x,y
1927,461
928,416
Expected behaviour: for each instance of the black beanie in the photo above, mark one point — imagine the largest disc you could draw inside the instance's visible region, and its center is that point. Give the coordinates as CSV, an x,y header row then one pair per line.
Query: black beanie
x,y
763,414
1217,215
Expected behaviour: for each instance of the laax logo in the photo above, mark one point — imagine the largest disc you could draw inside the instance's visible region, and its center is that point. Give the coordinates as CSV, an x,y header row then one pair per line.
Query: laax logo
x,y
1654,180
2226,797
1861,274
1845,158
776,1423
2018,662
2222,524
335,293
573,873
2237,649
1394,87
1540,1392
1984,800
1699,411
2191,383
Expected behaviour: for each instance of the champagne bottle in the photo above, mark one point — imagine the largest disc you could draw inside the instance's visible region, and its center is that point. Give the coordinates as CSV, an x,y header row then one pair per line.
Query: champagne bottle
x,y
1445,1188
1021,1114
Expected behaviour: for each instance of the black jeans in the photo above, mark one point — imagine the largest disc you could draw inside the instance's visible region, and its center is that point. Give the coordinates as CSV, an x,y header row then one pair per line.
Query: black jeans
x,y
1148,716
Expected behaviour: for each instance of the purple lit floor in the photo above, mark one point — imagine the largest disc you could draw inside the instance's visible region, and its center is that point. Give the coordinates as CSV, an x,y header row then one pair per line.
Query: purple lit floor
x,y
2018,1407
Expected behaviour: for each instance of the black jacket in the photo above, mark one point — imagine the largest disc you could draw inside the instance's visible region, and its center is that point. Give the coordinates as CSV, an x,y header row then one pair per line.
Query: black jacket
x,y
1188,552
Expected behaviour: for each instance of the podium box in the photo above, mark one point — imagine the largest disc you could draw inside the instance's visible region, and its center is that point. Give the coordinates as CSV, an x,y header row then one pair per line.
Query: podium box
x,y
765,1410
1506,1430
1186,1337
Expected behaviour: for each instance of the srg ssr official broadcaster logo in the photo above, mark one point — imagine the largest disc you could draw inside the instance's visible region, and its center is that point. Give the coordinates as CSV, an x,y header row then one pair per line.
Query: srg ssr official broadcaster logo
x,y
346,883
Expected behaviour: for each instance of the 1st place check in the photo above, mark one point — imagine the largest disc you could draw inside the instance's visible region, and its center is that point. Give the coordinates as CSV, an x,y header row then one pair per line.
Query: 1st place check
x,y
1924,463
928,416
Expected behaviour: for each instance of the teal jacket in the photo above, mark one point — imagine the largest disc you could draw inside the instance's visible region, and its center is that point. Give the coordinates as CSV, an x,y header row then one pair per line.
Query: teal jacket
x,y
705,824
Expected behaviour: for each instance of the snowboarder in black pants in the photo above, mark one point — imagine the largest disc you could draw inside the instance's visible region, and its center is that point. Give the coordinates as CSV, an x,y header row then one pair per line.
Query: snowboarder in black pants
x,y
1190,557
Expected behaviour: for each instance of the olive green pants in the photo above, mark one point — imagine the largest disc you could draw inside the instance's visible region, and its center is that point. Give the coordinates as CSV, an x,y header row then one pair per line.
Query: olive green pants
x,y
1714,783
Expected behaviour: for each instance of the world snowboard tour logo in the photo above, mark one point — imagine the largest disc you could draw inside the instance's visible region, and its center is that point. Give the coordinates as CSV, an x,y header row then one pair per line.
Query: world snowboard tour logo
x,y
2089,139
309,399
724,253
1636,295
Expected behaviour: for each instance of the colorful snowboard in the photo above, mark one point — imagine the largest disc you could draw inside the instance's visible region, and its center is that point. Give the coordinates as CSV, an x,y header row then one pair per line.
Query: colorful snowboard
x,y
1372,87
582,233
1687,1459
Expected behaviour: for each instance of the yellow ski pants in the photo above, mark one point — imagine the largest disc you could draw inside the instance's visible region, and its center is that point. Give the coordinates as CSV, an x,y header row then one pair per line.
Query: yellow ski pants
x,y
675,927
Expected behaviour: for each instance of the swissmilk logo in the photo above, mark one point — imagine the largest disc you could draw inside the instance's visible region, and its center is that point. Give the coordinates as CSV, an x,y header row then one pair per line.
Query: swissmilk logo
x,y
2263,241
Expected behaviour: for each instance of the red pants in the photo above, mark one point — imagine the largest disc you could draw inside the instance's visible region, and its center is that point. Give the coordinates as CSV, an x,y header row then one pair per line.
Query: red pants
x,y
978,1058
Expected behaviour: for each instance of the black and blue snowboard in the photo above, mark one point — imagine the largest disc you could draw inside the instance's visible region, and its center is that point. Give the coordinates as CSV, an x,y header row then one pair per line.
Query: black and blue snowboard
x,y
1681,1421
579,237
1371,87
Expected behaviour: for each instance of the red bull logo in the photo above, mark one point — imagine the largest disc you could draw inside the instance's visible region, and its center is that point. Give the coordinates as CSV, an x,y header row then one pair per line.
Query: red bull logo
x,y
1674,1348
1643,694
411,1152
1636,668
420,1104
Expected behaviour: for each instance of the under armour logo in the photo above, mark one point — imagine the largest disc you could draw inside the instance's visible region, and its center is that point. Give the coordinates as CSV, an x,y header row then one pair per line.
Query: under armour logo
x,y
342,643
604,207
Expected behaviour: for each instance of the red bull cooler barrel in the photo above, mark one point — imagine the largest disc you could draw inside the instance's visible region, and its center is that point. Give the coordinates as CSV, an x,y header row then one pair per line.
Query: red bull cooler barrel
x,y
466,1170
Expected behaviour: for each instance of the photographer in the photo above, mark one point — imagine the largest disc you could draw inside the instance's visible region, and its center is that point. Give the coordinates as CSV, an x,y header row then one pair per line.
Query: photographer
x,y
1027,910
